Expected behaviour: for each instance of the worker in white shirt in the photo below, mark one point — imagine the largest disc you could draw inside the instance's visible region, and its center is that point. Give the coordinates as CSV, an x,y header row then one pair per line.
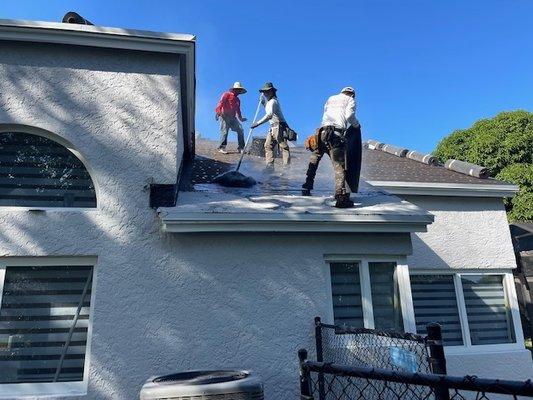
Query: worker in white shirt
x,y
339,137
278,125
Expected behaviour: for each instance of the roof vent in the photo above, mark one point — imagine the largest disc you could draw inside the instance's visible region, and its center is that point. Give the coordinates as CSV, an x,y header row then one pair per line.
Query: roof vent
x,y
74,18
467,168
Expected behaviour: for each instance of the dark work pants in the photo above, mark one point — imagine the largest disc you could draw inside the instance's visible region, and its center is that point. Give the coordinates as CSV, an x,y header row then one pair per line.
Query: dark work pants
x,y
346,160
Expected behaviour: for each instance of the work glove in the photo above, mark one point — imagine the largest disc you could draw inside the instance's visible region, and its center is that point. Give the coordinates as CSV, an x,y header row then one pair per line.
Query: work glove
x,y
217,117
244,119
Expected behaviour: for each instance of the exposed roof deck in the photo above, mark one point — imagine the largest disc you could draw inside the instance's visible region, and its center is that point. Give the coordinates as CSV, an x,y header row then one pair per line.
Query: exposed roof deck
x,y
275,204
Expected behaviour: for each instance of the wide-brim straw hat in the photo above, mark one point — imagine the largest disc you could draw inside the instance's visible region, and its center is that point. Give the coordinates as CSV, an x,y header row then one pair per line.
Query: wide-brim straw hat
x,y
268,86
238,86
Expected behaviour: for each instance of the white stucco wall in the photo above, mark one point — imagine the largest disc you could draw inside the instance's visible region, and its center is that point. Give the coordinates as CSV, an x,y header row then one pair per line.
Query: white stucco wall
x,y
118,107
468,232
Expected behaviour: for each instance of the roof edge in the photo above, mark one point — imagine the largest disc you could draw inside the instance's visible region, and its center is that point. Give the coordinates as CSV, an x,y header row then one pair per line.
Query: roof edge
x,y
93,30
447,189
292,223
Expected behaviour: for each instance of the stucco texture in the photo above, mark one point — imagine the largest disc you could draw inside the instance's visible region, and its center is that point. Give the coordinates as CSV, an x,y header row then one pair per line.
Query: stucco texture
x,y
468,232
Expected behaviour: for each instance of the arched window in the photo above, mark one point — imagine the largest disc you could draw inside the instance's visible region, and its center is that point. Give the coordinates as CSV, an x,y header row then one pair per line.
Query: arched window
x,y
37,172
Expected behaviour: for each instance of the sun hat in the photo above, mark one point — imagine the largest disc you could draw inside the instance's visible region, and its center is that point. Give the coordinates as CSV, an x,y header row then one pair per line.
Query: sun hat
x,y
268,86
238,86
348,89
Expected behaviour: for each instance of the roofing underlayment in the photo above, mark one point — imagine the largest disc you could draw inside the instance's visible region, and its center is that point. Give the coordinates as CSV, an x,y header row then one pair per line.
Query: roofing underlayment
x,y
276,204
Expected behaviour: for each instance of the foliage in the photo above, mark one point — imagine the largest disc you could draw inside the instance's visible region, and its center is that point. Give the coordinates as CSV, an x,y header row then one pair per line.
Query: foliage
x,y
505,145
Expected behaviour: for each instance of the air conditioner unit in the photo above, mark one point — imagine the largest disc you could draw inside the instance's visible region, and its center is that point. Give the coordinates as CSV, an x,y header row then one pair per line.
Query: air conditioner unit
x,y
204,385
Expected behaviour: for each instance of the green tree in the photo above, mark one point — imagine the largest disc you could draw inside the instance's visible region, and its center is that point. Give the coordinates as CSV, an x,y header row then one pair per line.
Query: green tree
x,y
505,145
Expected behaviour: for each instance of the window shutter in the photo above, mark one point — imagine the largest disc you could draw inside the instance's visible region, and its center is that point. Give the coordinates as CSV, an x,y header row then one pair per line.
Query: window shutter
x,y
488,313
38,172
44,318
385,296
434,300
346,291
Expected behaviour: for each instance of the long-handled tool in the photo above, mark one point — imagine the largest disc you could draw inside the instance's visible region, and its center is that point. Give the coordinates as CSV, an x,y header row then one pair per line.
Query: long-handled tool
x,y
235,178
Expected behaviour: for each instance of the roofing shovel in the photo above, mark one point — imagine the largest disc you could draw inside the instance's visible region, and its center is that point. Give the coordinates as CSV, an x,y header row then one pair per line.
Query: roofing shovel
x,y
235,178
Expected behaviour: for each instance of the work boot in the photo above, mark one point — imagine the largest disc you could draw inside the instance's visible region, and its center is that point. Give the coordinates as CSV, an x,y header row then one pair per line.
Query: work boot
x,y
222,150
306,192
306,188
343,200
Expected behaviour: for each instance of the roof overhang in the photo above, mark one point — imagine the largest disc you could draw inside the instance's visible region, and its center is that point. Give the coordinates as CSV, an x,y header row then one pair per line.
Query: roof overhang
x,y
114,38
207,212
447,189
293,223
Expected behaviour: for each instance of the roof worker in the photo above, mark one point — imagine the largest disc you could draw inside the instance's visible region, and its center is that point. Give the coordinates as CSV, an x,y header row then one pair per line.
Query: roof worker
x,y
278,125
340,137
228,111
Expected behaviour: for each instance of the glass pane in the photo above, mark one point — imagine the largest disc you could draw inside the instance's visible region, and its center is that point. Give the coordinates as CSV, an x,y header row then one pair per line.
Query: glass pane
x,y
434,300
385,296
489,316
346,291
39,305
36,171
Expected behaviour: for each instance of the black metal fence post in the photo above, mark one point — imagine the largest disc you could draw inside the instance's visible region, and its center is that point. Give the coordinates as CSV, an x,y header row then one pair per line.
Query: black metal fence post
x,y
319,357
305,377
437,358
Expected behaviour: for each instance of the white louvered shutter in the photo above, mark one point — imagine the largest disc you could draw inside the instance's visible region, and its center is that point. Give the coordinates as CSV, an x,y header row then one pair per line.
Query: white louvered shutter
x,y
346,292
489,316
44,318
434,300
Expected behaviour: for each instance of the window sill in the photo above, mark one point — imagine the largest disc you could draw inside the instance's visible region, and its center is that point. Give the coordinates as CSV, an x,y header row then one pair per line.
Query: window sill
x,y
46,209
483,349
44,389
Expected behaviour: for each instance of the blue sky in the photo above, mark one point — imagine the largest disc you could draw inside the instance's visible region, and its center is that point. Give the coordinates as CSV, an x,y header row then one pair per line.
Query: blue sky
x,y
421,68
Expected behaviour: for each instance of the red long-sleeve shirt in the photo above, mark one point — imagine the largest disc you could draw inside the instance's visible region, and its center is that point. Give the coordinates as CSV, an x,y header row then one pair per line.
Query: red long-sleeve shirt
x,y
229,105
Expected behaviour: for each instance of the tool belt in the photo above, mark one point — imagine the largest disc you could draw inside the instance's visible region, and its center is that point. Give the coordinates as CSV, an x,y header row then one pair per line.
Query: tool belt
x,y
311,143
331,136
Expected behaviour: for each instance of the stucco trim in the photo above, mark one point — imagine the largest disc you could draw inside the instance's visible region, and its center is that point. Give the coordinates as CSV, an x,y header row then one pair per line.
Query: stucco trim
x,y
446,189
292,222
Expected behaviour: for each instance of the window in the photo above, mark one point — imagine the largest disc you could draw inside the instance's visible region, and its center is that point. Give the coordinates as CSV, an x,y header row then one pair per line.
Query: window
x,y
473,309
44,327
434,300
38,172
366,294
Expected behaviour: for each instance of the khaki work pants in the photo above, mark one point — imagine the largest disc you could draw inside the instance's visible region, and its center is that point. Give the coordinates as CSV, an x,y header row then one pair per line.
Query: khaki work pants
x,y
275,137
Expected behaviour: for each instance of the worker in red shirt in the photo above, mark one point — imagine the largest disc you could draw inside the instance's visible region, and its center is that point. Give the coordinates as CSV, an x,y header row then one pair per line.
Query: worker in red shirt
x,y
228,111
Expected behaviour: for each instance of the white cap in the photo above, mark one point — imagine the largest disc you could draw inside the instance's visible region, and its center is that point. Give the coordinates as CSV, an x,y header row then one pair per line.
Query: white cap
x,y
348,89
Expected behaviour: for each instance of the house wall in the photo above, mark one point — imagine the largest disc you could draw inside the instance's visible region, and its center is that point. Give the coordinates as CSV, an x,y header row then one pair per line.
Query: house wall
x,y
165,302
118,107
469,233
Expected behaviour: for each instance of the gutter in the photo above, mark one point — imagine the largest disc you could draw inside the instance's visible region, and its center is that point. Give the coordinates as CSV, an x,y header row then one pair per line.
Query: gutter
x,y
292,223
446,189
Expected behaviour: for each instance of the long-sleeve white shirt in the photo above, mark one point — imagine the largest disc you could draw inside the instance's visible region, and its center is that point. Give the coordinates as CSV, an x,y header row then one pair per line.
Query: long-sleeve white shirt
x,y
339,111
273,113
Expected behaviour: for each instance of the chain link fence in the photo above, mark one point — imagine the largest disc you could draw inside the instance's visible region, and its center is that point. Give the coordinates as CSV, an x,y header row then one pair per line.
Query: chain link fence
x,y
341,382
372,348
358,363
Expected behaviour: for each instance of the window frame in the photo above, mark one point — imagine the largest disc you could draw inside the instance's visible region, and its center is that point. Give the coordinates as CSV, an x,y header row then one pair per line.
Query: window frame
x,y
32,130
401,274
510,295
49,389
